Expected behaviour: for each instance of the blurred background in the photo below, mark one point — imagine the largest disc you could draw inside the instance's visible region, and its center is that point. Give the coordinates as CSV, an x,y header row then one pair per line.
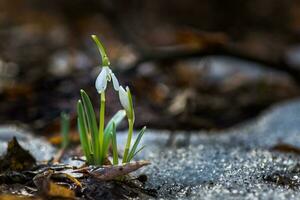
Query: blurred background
x,y
193,64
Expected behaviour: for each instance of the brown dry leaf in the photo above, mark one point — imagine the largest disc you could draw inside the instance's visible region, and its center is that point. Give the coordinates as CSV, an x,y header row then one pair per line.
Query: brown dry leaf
x,y
107,173
48,188
55,190
17,197
70,177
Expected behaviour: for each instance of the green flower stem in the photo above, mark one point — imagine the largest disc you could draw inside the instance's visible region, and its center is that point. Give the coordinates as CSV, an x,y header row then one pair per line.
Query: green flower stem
x,y
101,124
127,147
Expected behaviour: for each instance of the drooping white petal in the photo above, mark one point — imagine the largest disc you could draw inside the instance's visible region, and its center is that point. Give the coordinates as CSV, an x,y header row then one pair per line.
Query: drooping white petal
x,y
101,81
115,81
123,96
108,73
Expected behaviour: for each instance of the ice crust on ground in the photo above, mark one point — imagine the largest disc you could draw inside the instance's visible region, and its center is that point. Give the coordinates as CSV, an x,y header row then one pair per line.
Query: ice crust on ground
x,y
233,164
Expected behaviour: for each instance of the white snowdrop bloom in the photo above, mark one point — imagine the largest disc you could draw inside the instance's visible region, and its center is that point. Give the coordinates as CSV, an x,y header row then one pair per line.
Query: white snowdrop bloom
x,y
124,98
106,75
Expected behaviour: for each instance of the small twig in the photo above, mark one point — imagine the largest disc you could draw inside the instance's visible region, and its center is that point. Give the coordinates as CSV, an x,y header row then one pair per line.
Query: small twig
x,y
59,155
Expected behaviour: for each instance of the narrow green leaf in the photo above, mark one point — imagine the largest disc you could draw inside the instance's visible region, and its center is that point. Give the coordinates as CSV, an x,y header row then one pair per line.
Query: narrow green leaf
x,y
92,124
133,151
114,145
84,142
83,132
116,119
140,149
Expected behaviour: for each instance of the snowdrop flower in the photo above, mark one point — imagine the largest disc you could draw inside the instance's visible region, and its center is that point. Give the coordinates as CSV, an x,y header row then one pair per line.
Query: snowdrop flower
x,y
126,101
106,75
124,98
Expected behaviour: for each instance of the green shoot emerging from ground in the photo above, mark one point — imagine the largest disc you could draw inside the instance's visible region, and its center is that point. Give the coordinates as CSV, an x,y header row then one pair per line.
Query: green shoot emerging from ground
x,y
65,128
97,138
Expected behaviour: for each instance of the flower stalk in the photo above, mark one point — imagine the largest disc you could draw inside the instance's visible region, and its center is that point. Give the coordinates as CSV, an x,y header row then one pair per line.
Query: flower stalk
x,y
128,143
101,121
126,102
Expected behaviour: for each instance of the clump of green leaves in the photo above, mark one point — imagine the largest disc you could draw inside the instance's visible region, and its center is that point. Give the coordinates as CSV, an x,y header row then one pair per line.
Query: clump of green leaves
x,y
97,138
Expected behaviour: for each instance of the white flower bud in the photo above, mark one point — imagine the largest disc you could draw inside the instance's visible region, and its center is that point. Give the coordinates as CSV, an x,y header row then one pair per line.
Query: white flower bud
x,y
123,95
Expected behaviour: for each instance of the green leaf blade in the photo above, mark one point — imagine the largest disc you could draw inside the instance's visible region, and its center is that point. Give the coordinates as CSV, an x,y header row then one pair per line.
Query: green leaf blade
x,y
83,132
114,145
140,149
92,124
133,151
